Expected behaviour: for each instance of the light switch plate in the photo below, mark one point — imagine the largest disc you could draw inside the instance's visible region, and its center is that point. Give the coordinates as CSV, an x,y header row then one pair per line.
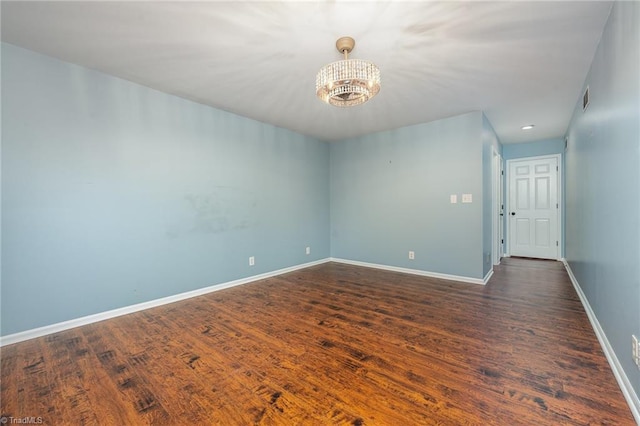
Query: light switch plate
x,y
467,198
453,198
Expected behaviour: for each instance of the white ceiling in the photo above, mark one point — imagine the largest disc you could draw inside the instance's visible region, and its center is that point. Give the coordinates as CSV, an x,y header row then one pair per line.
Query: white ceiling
x,y
519,62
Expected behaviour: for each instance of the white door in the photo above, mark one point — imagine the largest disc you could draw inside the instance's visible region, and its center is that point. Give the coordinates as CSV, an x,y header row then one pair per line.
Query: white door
x,y
533,207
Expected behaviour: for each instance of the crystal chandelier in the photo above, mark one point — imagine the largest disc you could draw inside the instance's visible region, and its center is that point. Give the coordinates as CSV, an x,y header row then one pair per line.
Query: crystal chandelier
x,y
348,82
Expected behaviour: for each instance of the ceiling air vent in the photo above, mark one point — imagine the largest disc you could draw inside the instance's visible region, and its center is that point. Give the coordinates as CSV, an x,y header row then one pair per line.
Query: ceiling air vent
x,y
585,99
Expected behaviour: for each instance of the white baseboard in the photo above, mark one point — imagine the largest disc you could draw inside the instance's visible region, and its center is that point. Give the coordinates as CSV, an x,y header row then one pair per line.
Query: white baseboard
x,y
487,277
623,381
416,271
89,319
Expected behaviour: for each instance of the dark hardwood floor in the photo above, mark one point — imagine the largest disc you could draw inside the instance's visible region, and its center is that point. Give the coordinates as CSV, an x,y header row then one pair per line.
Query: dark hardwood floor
x,y
331,344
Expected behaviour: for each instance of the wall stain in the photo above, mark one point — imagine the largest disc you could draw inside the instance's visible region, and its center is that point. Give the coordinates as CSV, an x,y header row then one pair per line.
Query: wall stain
x,y
220,210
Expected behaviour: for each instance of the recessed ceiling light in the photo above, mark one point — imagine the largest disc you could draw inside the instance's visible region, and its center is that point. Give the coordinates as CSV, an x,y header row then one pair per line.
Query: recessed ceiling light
x,y
528,127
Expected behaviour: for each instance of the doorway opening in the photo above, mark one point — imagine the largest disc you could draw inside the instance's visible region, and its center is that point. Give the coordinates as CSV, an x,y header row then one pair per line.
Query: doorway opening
x,y
533,207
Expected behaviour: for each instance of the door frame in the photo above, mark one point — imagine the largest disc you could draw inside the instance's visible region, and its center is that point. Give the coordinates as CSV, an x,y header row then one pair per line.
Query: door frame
x,y
559,228
497,207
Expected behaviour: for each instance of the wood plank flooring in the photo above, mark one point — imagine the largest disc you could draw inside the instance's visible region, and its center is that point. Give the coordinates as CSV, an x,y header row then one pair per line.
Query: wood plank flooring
x,y
331,344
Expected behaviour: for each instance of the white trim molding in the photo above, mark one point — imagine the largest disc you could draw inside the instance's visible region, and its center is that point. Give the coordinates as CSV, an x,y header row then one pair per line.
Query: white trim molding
x,y
623,381
89,319
459,278
487,277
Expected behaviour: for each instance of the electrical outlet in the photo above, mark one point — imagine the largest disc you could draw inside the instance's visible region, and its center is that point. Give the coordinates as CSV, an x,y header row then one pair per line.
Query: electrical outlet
x,y
635,350
308,250
412,255
252,261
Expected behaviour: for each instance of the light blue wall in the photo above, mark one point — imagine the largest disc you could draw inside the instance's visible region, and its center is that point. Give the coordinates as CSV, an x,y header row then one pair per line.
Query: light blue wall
x,y
490,143
533,149
390,194
603,184
115,194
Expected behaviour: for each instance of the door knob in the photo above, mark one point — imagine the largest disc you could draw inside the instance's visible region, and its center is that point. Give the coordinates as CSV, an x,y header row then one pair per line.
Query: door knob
x,y
513,213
